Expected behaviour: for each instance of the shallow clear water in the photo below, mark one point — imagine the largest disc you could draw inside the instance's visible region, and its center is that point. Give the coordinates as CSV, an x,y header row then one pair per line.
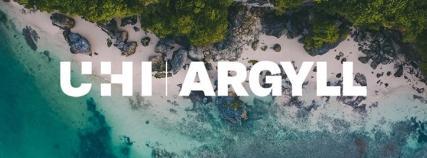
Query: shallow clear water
x,y
29,128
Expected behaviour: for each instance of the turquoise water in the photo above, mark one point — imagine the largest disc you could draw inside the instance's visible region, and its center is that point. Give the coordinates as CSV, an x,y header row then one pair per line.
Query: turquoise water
x,y
29,127
35,120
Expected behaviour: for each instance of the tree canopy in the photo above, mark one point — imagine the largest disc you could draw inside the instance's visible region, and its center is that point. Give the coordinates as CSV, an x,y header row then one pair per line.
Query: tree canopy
x,y
93,10
201,21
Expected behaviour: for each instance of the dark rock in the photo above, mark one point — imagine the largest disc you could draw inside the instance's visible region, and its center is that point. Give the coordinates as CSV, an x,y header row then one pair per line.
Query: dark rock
x,y
136,29
159,63
420,90
128,48
360,79
145,41
258,2
31,37
109,42
364,60
132,20
399,71
277,47
338,57
120,38
264,48
378,46
343,60
162,75
352,101
178,60
254,44
195,55
78,44
62,21
165,46
339,75
322,50
274,25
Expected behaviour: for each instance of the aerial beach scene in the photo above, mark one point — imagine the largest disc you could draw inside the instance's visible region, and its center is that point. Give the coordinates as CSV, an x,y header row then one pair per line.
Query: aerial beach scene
x,y
385,40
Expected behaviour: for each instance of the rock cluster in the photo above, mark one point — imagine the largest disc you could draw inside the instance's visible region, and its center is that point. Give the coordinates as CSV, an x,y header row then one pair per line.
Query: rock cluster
x,y
243,30
175,54
379,47
120,38
78,44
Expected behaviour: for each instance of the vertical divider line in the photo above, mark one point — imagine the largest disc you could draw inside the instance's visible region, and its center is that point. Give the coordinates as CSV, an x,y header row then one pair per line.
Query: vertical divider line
x,y
166,79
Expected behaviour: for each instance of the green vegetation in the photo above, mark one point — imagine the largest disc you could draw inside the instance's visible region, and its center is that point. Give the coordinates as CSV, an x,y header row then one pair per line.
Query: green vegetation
x,y
95,11
201,21
421,45
406,16
323,32
281,6
204,22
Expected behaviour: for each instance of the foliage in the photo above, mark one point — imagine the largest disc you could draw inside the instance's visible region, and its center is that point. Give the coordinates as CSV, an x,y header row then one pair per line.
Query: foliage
x,y
92,10
201,21
407,16
323,32
281,6
421,45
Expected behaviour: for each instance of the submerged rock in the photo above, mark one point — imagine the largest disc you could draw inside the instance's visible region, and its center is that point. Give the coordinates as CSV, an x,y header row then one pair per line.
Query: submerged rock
x,y
31,37
62,21
231,109
78,44
178,60
198,97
